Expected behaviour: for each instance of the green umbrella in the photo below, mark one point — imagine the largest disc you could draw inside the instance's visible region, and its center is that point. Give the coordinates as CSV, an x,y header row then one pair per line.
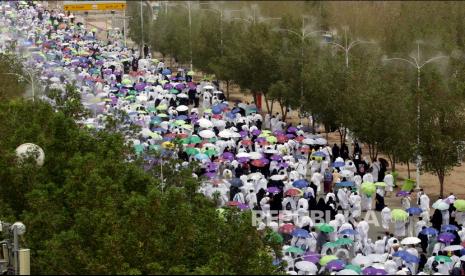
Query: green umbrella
x,y
344,241
380,184
211,152
207,111
190,73
326,259
130,97
326,228
331,244
441,258
179,122
355,268
399,215
294,249
195,139
191,151
185,141
275,237
174,91
162,115
409,184
138,149
368,188
459,204
154,147
151,109
271,139
162,107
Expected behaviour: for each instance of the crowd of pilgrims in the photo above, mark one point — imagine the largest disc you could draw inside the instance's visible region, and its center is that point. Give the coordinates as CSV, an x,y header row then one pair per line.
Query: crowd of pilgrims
x,y
252,162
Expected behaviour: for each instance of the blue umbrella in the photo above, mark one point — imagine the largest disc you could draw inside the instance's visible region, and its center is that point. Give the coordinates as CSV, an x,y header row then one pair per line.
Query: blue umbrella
x,y
338,164
407,257
182,117
414,211
449,227
301,183
236,182
217,109
348,232
345,184
201,156
429,231
319,154
300,233
166,72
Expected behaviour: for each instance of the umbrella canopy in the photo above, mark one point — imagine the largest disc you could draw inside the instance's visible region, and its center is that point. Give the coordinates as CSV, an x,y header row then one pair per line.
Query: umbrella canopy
x,y
410,240
306,266
446,237
335,265
348,232
368,188
207,134
441,258
294,249
326,259
345,184
294,192
346,271
287,228
300,233
414,211
449,227
399,215
300,184
380,184
326,228
459,205
430,231
440,205
453,247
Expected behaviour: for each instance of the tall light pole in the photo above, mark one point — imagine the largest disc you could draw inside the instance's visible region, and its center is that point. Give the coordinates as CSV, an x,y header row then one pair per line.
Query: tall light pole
x,y
142,29
348,46
418,64
302,35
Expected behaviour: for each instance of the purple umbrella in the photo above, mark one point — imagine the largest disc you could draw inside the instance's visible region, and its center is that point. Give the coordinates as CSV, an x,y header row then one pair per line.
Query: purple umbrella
x,y
212,166
290,136
265,161
140,86
292,129
312,257
374,271
278,132
192,85
243,133
210,175
180,86
284,165
335,265
167,86
273,190
403,193
446,237
256,132
260,139
243,207
243,159
276,157
228,156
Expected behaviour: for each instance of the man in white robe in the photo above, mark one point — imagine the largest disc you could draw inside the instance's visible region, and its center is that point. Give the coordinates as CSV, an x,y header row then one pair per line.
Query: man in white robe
x,y
386,217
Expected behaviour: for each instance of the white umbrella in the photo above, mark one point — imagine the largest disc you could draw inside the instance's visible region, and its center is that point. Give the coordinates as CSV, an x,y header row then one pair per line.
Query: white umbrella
x,y
255,155
291,272
440,205
278,177
321,141
182,108
306,266
226,133
182,96
204,123
243,155
361,260
410,240
207,134
271,151
255,176
208,87
235,135
346,173
453,247
308,141
347,272
462,258
378,258
219,123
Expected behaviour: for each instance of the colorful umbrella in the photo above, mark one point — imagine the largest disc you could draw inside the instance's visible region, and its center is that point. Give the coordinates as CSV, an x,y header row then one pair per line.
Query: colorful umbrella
x,y
326,228
326,259
294,249
459,205
446,237
399,215
368,188
335,265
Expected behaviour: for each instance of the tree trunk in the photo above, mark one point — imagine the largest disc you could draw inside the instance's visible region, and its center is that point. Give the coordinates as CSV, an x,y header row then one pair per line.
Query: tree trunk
x,y
342,134
227,89
408,169
272,105
441,175
254,97
266,103
313,127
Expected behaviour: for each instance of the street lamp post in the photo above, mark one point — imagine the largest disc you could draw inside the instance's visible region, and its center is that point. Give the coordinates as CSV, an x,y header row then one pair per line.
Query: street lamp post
x,y
190,28
142,30
347,47
416,63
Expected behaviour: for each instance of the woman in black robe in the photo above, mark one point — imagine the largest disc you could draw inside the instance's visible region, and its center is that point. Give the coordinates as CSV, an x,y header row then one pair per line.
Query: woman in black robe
x,y
312,203
436,220
379,202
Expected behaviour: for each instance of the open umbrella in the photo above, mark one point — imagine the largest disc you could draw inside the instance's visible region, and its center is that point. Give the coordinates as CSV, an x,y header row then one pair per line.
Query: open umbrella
x,y
353,267
207,134
374,271
273,190
294,192
346,271
414,211
335,265
326,228
300,184
380,184
440,205
345,184
287,228
294,249
350,232
410,241
402,193
399,215
300,233
449,227
446,237
459,205
441,258
368,188
430,231
306,266
344,241
326,259
453,247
